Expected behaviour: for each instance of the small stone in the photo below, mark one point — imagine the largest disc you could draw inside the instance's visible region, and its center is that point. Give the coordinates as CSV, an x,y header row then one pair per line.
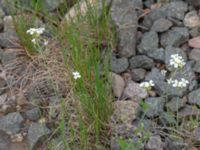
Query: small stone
x,y
119,65
174,37
149,42
154,143
11,122
191,19
126,23
141,61
194,42
193,97
195,3
155,75
154,106
176,9
157,55
189,111
197,134
194,32
5,141
178,144
36,131
196,67
176,103
134,91
195,54
161,25
33,114
138,74
125,111
118,84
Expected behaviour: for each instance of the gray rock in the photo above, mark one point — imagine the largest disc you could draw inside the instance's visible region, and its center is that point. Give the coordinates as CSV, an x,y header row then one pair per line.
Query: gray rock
x,y
174,37
137,3
126,23
3,85
119,65
188,111
154,143
155,75
170,51
124,112
195,54
148,3
176,103
11,123
138,74
197,134
33,114
178,144
192,20
154,15
118,84
193,97
36,131
194,32
154,106
8,56
158,54
161,25
149,42
134,91
141,61
176,10
5,141
196,67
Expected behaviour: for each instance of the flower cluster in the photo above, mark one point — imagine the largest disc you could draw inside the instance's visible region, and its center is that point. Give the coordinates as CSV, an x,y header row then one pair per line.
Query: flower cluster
x,y
36,33
147,85
179,84
76,75
177,61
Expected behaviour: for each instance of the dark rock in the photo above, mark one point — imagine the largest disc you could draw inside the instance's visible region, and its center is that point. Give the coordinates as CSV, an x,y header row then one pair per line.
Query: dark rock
x,y
189,111
148,3
154,143
175,144
193,85
134,91
154,106
195,3
197,134
126,23
137,3
3,85
170,51
174,37
141,61
36,131
176,10
161,25
155,75
33,114
191,19
195,55
119,65
149,42
158,54
11,123
176,103
196,67
138,74
5,141
193,97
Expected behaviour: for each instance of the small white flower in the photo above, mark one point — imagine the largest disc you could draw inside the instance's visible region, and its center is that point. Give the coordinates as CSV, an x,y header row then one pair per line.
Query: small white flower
x,y
176,61
37,31
163,72
179,84
46,42
147,85
33,41
76,75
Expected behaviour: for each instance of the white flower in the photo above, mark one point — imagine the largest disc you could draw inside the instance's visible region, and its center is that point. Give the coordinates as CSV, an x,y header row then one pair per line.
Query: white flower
x,y
37,31
147,85
76,75
176,61
46,42
180,84
163,72
33,41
